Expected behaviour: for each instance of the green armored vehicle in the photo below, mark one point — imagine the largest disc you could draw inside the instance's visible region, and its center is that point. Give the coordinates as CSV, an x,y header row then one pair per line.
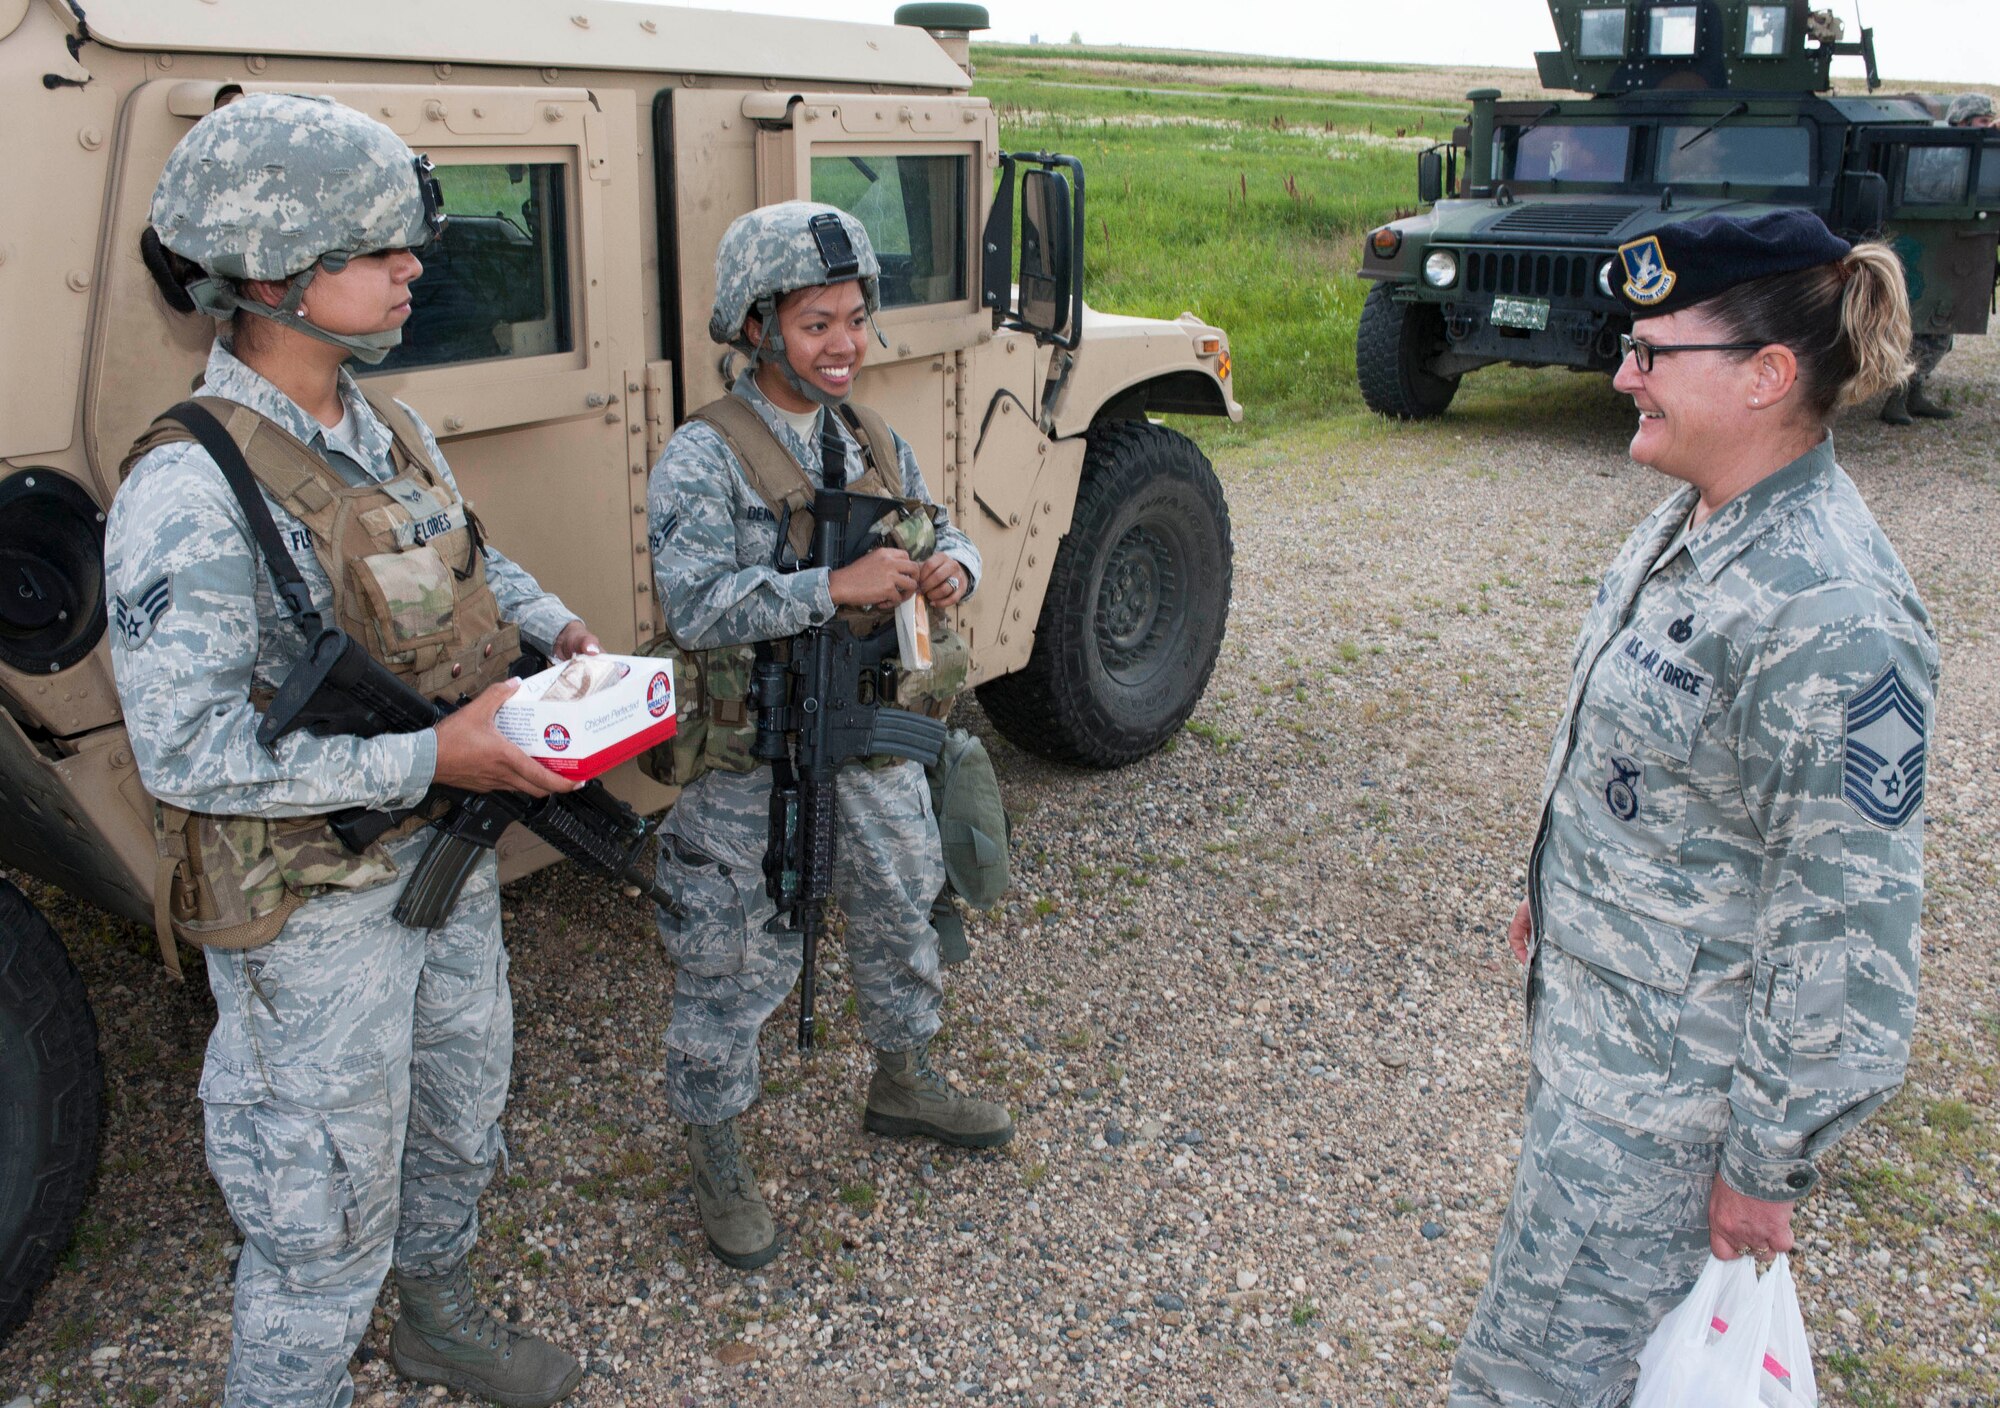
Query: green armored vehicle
x,y
1719,106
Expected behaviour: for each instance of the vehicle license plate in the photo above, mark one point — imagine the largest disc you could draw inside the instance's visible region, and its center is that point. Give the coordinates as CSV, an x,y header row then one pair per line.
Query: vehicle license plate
x,y
1532,313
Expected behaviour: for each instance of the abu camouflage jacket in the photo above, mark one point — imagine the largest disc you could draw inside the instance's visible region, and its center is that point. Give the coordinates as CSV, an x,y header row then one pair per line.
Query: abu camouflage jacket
x,y
387,549
715,548
1728,872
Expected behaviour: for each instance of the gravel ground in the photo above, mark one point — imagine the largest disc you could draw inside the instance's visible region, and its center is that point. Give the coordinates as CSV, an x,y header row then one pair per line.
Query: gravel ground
x,y
1249,1000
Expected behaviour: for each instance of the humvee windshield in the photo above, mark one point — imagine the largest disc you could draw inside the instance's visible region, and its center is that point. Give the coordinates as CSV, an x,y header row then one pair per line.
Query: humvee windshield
x,y
1743,156
914,210
497,284
1562,153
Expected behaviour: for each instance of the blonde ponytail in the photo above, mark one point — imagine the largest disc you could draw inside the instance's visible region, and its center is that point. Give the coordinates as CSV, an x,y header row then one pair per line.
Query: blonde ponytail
x,y
1875,319
1847,322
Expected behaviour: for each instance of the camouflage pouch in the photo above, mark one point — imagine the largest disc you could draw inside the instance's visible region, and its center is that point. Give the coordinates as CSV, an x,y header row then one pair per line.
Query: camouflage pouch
x,y
713,728
732,726
232,881
677,762
932,692
410,599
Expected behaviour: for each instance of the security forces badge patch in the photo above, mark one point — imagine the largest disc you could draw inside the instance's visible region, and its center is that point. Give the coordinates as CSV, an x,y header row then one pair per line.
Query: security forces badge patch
x,y
1648,280
1885,754
135,619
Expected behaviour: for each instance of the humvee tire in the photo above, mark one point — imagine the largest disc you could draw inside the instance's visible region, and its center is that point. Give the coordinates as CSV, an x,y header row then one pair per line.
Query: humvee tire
x,y
1137,601
1395,341
49,1102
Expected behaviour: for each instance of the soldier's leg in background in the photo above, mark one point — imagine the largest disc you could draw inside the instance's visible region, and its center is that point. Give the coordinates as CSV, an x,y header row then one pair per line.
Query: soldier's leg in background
x,y
1927,350
730,971
888,868
1606,1231
305,1094
461,1053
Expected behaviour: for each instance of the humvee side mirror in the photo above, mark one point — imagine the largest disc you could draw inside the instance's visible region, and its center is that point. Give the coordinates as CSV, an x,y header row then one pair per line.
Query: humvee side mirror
x,y
1430,177
1864,202
1044,294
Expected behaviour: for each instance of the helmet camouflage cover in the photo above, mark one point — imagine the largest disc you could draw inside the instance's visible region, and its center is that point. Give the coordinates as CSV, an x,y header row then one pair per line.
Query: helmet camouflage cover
x,y
1968,107
275,186
269,184
775,249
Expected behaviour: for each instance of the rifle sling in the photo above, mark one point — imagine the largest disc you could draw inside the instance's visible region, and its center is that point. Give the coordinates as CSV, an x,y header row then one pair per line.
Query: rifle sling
x,y
285,576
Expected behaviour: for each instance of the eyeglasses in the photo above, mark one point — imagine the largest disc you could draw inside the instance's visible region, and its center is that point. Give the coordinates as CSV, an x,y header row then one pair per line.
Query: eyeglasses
x,y
1642,353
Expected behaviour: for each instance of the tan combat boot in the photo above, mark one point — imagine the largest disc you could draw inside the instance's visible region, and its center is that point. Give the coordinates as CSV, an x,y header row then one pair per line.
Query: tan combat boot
x,y
733,1211
445,1336
908,1097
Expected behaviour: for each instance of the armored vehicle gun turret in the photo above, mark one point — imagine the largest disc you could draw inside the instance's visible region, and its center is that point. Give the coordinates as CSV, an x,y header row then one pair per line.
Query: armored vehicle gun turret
x,y
1689,108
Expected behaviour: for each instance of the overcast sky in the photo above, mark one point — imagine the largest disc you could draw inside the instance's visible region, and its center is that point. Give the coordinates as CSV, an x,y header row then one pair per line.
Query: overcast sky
x,y
1939,40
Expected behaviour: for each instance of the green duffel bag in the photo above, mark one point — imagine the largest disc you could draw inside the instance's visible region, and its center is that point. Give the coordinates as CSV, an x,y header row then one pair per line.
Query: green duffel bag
x,y
973,827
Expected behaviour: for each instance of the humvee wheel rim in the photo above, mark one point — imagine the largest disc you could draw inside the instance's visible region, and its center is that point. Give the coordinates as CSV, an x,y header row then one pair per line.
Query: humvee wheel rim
x,y
1140,602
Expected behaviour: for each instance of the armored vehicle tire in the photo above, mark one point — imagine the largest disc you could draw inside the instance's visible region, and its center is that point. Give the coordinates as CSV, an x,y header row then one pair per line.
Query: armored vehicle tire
x,y
49,1093
1137,601
1395,342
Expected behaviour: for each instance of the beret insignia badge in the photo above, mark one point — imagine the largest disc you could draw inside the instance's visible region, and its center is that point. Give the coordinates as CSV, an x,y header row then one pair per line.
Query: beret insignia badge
x,y
1648,280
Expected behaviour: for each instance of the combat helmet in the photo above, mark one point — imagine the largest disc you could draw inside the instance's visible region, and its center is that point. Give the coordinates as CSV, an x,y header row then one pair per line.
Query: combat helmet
x,y
1968,107
775,249
279,186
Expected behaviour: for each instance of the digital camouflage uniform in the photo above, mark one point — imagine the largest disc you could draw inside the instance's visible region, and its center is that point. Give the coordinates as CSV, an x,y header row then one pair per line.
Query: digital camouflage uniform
x,y
353,1085
713,544
1725,889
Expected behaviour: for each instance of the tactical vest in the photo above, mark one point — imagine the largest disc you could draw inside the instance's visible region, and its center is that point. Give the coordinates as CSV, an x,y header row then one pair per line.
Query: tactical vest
x,y
409,583
715,722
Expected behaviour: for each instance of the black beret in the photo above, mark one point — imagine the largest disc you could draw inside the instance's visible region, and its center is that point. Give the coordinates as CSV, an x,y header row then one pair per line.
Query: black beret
x,y
1685,264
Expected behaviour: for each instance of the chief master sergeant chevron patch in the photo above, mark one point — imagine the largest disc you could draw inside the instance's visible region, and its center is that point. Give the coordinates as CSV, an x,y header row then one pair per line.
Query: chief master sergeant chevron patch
x,y
1885,751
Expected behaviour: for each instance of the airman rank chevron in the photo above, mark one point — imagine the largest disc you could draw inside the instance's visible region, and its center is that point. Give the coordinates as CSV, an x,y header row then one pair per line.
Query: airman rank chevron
x,y
1648,280
1884,761
135,620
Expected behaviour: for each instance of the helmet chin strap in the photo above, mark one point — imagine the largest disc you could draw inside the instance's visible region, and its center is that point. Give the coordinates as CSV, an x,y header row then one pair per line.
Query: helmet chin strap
x,y
220,299
770,349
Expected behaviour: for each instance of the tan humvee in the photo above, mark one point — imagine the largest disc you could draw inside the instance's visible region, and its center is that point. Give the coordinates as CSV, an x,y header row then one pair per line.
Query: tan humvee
x,y
591,154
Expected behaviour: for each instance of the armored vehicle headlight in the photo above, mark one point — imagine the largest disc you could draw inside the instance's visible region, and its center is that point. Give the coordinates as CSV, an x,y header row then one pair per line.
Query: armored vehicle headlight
x,y
1441,268
1604,277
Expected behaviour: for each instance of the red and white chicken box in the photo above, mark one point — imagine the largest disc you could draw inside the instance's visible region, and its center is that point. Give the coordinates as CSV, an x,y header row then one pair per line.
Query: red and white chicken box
x,y
590,714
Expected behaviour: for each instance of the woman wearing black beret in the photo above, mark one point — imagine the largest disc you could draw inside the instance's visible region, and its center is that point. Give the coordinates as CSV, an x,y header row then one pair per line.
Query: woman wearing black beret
x,y
1720,927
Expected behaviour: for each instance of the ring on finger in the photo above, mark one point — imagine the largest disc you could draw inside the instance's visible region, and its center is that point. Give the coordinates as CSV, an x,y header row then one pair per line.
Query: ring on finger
x,y
951,584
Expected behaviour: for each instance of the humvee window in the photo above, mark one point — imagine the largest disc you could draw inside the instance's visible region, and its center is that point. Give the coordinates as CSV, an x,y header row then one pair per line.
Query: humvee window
x,y
1578,153
1764,32
497,284
1937,175
1670,31
1989,177
913,208
1742,156
1601,34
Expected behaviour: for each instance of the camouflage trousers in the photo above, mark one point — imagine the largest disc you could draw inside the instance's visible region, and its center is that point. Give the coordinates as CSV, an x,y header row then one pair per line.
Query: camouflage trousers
x,y
731,971
1606,1232
1926,351
352,1095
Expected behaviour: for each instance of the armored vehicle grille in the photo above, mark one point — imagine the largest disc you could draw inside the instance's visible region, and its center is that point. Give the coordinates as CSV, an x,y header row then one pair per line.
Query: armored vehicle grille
x,y
1529,273
1565,219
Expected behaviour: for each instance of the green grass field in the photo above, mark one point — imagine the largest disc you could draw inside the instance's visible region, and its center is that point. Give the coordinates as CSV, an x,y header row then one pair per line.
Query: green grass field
x,y
1247,208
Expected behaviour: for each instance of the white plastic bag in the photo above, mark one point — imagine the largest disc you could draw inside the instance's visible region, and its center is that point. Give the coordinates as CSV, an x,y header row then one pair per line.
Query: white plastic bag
x,y
1735,1342
1787,1380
